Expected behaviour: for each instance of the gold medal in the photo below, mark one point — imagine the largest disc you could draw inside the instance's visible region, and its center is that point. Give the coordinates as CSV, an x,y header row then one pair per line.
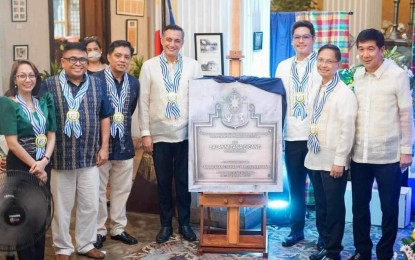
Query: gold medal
x,y
72,115
299,97
172,97
41,140
118,118
313,129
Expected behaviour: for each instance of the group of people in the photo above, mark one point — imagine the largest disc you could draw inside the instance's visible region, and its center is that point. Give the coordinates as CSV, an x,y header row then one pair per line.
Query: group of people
x,y
331,129
73,131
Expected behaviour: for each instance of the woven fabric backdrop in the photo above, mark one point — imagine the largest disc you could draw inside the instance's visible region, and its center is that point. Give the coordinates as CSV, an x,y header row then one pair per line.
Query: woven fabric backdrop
x,y
330,27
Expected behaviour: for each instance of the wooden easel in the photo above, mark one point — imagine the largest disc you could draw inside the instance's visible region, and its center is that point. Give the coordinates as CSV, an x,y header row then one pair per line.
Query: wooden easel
x,y
233,239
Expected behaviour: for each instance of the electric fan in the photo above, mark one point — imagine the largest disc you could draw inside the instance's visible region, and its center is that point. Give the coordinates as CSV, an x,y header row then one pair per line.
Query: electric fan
x,y
26,210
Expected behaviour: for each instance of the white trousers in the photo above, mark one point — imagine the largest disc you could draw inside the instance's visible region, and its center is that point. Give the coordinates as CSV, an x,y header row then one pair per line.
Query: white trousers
x,y
119,173
66,185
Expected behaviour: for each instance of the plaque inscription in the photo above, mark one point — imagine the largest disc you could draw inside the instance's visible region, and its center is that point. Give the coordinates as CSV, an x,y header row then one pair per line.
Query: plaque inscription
x,y
232,146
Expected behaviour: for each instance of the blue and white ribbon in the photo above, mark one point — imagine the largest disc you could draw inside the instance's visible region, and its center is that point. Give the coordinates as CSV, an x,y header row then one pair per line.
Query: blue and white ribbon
x,y
73,126
172,85
299,106
117,102
38,124
313,143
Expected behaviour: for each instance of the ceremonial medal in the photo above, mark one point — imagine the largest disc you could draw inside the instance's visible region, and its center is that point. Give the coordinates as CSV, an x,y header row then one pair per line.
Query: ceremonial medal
x,y
118,118
72,115
41,140
172,97
299,97
313,129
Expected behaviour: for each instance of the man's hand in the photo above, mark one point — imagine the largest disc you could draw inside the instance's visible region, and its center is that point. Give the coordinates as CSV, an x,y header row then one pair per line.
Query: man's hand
x,y
102,156
336,171
406,160
147,143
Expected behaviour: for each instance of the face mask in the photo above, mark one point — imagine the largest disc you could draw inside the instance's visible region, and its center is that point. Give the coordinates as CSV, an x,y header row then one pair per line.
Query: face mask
x,y
94,56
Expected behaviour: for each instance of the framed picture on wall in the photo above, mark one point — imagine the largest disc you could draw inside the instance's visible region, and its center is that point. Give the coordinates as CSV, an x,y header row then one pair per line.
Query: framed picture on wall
x,y
209,53
130,7
20,52
257,41
19,10
132,33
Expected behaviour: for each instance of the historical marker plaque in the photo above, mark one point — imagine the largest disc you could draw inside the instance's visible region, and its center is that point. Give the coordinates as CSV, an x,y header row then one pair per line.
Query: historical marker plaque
x,y
234,138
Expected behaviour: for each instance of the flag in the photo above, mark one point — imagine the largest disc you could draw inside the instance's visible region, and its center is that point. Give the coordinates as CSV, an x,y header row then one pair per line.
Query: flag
x,y
157,34
160,23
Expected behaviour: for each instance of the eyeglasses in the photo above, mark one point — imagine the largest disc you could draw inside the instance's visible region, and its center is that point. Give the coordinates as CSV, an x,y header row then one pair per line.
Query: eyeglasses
x,y
25,76
74,60
328,62
305,37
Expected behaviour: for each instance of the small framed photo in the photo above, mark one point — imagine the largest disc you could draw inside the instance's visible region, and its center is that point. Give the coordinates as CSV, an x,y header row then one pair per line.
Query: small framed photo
x,y
257,41
130,7
19,10
209,53
20,52
131,30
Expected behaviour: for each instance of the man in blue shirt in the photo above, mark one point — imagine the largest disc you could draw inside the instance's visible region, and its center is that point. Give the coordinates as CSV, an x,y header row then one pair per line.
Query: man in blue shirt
x,y
83,115
122,89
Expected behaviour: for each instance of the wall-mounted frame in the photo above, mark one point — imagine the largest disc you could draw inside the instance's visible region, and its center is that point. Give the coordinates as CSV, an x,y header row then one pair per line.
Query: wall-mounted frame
x,y
19,10
130,7
20,52
209,53
257,41
131,31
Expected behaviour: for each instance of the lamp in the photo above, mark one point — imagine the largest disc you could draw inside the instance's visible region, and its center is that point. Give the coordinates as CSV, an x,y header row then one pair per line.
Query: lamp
x,y
394,33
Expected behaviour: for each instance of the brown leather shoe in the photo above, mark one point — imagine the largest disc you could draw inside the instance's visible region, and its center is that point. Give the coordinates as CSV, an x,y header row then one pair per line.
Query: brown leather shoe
x,y
62,257
94,253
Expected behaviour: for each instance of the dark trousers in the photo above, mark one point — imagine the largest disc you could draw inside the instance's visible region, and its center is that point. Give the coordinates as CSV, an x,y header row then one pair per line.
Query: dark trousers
x,y
388,178
171,161
295,152
330,209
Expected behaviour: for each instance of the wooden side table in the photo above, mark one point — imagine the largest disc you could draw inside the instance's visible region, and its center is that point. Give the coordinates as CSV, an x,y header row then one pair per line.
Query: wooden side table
x,y
232,239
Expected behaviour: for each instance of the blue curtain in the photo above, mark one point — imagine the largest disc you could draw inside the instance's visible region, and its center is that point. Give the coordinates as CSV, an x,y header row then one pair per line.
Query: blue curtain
x,y
281,48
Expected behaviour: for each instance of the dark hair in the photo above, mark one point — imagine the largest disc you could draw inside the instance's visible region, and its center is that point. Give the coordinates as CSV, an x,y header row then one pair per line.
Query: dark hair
x,y
120,43
87,40
303,23
371,35
332,47
74,46
12,86
173,27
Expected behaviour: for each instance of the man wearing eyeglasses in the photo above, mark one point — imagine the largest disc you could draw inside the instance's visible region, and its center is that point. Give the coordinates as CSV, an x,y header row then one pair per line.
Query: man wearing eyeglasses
x,y
83,115
298,74
122,89
330,141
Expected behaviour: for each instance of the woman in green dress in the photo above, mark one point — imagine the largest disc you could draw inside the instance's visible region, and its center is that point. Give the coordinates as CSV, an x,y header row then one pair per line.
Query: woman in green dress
x,y
28,123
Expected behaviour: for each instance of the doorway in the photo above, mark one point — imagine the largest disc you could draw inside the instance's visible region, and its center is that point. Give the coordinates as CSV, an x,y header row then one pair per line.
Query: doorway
x,y
72,20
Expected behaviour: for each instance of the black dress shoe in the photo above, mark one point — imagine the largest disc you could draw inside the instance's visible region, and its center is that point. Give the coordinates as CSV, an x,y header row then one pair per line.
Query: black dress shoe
x,y
320,244
187,233
125,238
293,238
100,241
359,256
318,256
164,234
